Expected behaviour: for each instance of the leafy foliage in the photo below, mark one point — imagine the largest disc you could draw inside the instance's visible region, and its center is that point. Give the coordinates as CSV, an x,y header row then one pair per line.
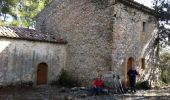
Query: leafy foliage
x,y
67,80
28,9
162,37
6,8
165,67
162,7
23,12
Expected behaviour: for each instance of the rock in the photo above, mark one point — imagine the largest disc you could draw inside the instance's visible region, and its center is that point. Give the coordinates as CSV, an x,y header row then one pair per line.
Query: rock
x,y
62,90
74,89
84,95
69,98
106,91
82,88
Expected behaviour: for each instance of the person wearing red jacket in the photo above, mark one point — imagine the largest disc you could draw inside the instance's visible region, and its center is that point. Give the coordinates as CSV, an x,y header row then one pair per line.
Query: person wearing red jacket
x,y
98,85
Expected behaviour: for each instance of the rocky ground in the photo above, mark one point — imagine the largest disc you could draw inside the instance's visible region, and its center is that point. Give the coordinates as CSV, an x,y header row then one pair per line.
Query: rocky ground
x,y
56,93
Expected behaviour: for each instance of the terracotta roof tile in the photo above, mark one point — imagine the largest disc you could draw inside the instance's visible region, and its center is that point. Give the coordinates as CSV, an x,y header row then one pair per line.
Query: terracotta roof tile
x,y
29,34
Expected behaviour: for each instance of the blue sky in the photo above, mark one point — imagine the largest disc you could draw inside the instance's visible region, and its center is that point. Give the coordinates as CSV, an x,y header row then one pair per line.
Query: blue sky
x,y
145,2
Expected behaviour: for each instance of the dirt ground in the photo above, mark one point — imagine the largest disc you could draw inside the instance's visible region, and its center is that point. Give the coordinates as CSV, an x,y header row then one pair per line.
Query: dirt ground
x,y
56,93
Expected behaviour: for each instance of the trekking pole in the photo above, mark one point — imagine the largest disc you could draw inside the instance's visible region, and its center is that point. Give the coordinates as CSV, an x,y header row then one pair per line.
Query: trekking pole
x,y
114,82
120,83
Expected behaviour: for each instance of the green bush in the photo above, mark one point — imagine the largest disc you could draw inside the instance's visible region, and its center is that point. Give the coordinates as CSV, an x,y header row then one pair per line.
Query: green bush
x,y
143,85
66,79
165,67
165,75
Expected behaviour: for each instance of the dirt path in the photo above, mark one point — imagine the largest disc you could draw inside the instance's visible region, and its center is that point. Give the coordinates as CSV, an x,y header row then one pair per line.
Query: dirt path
x,y
54,93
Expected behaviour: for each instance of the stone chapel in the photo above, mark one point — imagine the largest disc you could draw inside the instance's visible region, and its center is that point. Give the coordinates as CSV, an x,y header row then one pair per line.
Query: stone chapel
x,y
110,35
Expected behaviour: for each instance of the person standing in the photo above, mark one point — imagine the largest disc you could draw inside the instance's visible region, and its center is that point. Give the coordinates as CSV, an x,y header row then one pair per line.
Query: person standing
x,y
132,73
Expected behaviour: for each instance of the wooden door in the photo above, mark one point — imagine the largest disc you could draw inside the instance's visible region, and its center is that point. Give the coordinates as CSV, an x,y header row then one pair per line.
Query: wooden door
x,y
42,74
129,66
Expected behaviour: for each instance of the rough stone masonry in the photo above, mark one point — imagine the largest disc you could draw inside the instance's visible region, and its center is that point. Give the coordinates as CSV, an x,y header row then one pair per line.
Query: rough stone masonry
x,y
100,34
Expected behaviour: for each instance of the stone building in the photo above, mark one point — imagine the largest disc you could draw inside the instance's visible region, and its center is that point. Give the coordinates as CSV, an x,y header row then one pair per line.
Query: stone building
x,y
27,56
108,34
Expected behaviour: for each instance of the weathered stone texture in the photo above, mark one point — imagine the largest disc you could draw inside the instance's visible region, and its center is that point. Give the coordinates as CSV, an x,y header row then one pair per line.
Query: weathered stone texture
x,y
129,38
97,36
19,60
88,31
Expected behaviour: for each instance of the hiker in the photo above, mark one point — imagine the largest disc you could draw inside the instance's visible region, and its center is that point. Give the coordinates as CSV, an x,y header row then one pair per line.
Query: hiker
x,y
98,86
132,73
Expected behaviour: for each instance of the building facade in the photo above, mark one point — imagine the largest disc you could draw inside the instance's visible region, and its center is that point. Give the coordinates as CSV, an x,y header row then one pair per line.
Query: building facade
x,y
30,57
107,34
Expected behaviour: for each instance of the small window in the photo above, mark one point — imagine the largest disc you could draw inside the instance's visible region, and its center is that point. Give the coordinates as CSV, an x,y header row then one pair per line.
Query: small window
x,y
143,63
144,27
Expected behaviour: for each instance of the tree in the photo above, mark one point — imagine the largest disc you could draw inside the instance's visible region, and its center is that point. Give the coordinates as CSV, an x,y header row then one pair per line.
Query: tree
x,y
165,67
162,8
162,38
28,9
22,12
159,40
6,9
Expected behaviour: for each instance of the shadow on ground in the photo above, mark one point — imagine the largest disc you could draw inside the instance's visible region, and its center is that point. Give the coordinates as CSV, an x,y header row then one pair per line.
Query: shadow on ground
x,y
56,93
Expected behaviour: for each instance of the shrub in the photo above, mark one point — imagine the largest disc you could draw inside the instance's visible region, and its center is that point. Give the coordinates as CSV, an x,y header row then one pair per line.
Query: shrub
x,y
143,85
66,79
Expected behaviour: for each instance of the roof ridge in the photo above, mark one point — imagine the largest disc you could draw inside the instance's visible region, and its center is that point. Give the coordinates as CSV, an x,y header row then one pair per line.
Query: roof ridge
x,y
138,6
29,34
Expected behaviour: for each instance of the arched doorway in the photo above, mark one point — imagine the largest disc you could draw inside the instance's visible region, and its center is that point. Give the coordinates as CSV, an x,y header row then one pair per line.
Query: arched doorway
x,y
42,70
130,63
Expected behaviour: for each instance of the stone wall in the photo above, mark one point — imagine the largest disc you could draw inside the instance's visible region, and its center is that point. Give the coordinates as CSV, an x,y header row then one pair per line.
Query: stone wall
x,y
19,60
129,38
100,33
88,30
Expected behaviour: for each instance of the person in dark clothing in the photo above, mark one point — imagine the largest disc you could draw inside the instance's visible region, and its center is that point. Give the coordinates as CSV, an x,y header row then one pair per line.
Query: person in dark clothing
x,y
132,73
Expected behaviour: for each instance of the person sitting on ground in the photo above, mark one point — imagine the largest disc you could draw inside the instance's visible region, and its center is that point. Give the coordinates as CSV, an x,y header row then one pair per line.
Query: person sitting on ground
x,y
98,86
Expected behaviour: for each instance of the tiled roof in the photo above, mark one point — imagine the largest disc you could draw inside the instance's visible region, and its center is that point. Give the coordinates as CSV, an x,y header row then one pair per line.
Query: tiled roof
x,y
29,34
